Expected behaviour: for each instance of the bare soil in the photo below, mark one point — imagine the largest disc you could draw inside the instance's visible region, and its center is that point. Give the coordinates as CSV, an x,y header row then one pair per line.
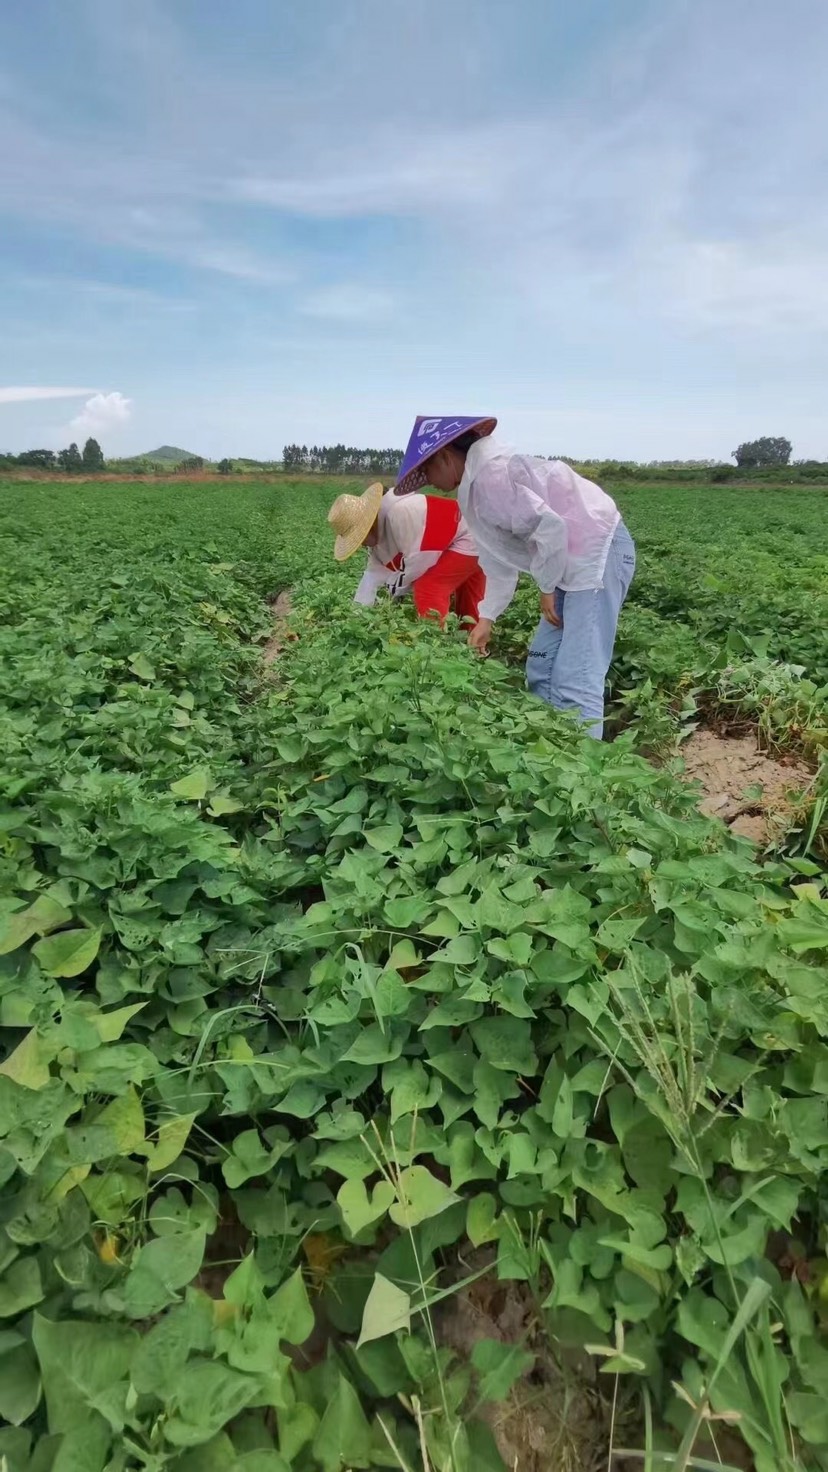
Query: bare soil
x,y
554,1419
755,794
280,607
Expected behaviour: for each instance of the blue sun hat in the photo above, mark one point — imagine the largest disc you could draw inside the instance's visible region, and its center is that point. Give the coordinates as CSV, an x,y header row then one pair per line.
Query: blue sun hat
x,y
427,437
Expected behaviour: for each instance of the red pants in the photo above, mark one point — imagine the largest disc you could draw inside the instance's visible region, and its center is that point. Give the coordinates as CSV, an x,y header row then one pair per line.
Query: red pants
x,y
456,574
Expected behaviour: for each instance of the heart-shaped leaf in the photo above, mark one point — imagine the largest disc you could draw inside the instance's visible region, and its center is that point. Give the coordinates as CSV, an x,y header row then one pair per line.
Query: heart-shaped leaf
x,y
69,952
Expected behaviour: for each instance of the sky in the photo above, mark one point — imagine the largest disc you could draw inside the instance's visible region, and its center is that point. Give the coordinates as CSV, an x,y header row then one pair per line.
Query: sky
x,y
227,227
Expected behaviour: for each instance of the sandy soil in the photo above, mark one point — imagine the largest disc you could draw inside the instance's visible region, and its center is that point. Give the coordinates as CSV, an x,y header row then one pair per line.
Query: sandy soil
x,y
280,607
752,792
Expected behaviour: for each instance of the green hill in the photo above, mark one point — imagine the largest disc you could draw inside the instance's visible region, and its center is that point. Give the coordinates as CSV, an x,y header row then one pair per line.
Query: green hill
x,y
166,455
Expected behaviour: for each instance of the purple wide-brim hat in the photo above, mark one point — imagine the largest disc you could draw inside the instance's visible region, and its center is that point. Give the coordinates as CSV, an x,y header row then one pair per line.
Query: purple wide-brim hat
x,y
427,437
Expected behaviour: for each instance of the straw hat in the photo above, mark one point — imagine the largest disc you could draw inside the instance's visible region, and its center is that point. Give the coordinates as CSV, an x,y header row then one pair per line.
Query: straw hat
x,y
352,518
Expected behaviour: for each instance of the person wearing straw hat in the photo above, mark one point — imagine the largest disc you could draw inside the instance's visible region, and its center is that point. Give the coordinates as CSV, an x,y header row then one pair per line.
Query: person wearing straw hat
x,y
541,517
421,544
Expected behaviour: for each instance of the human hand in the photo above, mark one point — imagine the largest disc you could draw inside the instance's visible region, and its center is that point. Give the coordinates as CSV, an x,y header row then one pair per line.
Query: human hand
x,y
549,610
480,635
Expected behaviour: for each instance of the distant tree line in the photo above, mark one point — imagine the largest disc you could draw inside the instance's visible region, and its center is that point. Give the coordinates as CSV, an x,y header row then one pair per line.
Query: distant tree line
x,y
756,460
768,453
341,460
141,465
761,459
71,461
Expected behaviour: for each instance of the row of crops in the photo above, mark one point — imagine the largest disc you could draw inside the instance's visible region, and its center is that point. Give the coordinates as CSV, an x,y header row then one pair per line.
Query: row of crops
x,y
326,997
728,616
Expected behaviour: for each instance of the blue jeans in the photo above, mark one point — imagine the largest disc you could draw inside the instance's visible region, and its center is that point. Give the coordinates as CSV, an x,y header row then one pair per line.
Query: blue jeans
x,y
567,667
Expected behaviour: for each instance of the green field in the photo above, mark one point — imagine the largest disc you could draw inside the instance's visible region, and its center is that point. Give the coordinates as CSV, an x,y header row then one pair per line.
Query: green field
x,y
334,994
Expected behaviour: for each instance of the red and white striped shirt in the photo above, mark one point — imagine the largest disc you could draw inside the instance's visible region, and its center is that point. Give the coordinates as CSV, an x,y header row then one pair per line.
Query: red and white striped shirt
x,y
414,532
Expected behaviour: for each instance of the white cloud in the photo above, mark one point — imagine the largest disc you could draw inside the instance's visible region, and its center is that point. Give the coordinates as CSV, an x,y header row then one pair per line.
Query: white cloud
x,y
456,166
776,283
676,186
118,294
233,261
636,216
101,415
685,131
29,395
106,294
347,302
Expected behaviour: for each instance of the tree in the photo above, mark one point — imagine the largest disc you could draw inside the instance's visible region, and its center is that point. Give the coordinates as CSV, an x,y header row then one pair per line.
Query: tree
x,y
38,459
93,460
341,460
70,460
769,451
225,467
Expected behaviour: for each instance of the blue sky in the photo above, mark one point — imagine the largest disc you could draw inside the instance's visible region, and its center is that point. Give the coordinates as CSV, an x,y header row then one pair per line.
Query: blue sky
x,y
228,226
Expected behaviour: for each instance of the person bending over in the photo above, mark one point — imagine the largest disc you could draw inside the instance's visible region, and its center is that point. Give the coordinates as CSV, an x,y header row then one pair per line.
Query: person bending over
x,y
541,517
419,543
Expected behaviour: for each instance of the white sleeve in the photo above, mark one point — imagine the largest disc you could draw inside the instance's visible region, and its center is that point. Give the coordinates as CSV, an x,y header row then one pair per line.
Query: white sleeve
x,y
374,577
539,525
501,581
517,508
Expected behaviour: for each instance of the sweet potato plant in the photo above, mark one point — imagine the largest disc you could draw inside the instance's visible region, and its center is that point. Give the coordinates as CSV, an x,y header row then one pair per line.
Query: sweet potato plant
x,y
326,991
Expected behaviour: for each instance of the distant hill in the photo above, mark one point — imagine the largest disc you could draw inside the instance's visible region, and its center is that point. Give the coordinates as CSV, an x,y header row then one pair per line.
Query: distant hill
x,y
165,455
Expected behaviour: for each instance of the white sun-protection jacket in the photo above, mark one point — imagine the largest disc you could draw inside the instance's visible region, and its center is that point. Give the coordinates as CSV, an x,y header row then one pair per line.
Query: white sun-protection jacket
x,y
414,532
535,516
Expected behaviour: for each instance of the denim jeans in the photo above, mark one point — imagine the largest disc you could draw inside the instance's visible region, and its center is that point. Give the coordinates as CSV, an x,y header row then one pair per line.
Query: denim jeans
x,y
567,667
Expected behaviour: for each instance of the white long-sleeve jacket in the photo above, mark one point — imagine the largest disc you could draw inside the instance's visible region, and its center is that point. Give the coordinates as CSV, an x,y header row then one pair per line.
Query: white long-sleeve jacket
x,y
414,532
535,516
